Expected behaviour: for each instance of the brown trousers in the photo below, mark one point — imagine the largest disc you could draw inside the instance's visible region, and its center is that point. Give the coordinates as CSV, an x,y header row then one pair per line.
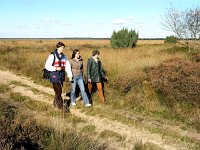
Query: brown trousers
x,y
58,101
100,90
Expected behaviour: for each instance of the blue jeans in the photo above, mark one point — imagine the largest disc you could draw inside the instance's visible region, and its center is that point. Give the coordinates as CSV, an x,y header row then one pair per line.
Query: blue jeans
x,y
78,80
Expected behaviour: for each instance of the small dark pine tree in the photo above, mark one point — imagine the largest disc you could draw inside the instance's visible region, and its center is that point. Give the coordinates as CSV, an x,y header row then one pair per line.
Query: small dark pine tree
x,y
170,39
124,38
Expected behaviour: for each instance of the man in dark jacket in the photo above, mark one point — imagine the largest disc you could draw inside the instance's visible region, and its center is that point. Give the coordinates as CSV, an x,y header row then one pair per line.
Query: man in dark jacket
x,y
96,74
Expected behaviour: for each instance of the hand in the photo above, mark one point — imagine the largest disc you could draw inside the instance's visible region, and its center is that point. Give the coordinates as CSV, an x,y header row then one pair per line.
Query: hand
x,y
58,68
105,78
89,80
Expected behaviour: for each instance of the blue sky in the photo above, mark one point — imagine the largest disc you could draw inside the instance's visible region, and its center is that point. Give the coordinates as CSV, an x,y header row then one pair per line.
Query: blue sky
x,y
85,18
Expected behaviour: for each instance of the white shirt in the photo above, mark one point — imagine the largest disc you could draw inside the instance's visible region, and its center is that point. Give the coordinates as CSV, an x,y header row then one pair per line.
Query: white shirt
x,y
49,67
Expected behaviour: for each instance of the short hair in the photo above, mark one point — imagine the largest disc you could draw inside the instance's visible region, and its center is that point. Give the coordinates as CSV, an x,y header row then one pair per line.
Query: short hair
x,y
95,52
74,53
59,44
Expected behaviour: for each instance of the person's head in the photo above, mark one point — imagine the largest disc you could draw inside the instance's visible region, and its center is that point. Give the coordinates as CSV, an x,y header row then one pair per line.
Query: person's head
x,y
76,54
60,47
96,54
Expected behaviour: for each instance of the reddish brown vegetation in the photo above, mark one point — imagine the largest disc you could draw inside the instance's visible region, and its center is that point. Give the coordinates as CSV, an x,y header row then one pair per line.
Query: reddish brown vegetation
x,y
126,81
177,80
196,57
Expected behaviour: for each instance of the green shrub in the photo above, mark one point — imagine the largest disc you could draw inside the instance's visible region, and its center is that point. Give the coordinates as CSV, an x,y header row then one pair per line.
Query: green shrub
x,y
124,38
170,39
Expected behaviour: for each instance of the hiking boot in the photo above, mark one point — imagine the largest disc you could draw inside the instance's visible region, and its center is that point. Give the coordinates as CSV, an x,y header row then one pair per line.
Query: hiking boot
x,y
88,105
73,104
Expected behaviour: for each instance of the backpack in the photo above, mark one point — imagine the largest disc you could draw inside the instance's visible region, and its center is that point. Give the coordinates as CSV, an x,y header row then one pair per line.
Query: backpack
x,y
46,73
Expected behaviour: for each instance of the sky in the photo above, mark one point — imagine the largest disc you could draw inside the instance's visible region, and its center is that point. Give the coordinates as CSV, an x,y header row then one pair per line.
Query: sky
x,y
85,18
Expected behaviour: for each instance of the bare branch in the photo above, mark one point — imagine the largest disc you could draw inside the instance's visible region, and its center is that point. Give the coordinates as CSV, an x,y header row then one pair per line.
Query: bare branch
x,y
185,24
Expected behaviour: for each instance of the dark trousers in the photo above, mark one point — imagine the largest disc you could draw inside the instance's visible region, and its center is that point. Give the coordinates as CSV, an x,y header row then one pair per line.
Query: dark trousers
x,y
58,101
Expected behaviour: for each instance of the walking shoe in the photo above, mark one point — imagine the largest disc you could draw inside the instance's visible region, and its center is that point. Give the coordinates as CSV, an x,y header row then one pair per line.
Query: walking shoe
x,y
73,104
88,105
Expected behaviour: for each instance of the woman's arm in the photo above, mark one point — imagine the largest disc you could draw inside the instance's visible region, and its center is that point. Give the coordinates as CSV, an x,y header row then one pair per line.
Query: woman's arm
x,y
68,69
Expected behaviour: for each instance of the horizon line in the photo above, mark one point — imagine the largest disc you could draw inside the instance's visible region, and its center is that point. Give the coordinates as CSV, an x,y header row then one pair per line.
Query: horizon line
x,y
80,38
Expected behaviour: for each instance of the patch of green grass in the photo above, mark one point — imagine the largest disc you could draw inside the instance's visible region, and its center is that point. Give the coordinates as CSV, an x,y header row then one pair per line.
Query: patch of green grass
x,y
18,83
175,49
75,120
18,97
93,111
89,129
166,133
36,106
74,140
35,91
4,88
111,134
29,103
146,146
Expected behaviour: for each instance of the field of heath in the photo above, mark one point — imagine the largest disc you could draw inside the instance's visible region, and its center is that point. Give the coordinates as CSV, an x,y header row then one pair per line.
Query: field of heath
x,y
27,57
145,86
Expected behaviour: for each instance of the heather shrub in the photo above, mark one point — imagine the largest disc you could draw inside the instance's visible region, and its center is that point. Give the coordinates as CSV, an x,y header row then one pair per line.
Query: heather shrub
x,y
21,136
196,57
177,81
127,81
27,134
150,99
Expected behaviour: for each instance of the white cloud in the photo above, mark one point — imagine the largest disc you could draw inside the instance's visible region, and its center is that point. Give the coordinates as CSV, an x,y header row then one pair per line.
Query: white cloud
x,y
130,18
119,21
139,22
122,21
51,20
66,24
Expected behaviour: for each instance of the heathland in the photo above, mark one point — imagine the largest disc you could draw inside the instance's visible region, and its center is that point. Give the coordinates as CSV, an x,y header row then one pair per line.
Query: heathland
x,y
153,92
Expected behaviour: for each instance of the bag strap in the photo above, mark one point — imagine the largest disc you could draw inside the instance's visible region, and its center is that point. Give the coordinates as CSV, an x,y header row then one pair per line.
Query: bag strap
x,y
55,52
54,58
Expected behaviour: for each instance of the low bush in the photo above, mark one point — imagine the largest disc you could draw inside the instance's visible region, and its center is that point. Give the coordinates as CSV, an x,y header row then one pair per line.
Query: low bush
x,y
196,57
126,81
177,80
28,135
124,38
171,39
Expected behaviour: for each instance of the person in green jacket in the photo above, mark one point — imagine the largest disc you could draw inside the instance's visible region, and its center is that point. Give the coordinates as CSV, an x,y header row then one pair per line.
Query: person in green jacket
x,y
96,74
